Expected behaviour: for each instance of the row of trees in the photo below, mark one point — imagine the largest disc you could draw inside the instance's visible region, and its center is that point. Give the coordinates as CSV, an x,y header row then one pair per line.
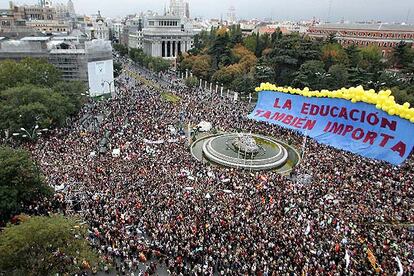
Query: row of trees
x,y
156,64
33,94
37,245
223,55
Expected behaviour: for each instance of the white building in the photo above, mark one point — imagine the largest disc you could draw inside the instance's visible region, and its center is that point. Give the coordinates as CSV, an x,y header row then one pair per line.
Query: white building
x,y
117,28
166,36
100,67
179,8
134,27
231,15
97,29
71,8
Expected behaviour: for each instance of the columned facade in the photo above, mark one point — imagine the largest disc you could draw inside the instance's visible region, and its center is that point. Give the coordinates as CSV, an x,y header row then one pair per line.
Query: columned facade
x,y
166,37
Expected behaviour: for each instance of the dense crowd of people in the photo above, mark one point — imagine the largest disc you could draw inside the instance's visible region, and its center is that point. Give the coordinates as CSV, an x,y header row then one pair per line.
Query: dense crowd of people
x,y
154,204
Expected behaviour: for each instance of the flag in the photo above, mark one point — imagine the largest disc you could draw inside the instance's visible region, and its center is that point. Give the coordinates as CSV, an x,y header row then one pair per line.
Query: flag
x,y
347,259
308,229
400,267
304,143
373,260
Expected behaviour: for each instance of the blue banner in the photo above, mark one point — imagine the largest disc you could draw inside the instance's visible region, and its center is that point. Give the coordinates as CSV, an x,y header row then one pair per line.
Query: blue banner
x,y
356,127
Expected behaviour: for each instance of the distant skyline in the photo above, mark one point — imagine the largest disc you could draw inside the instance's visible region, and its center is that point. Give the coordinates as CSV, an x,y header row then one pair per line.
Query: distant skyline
x,y
350,10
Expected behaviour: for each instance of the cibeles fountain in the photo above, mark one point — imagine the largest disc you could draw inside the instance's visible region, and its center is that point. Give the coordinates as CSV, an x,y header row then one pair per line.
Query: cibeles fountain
x,y
245,151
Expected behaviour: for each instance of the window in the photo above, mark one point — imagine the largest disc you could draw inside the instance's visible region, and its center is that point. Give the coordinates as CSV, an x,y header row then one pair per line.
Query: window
x,y
151,23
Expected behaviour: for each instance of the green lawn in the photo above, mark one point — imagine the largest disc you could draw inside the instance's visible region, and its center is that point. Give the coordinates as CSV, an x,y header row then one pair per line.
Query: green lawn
x,y
169,97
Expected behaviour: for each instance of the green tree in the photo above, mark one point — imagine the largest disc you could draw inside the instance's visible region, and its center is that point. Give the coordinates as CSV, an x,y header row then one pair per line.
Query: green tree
x,y
117,69
359,76
219,50
11,73
354,55
39,72
158,64
243,84
264,72
27,106
311,74
402,55
202,67
333,53
227,74
250,43
337,77
191,82
371,59
74,92
259,46
288,54
46,246
28,71
276,35
236,36
121,49
403,95
20,182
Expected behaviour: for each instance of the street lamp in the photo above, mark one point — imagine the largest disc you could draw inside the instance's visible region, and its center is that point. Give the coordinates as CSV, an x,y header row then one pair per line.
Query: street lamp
x,y
377,84
31,134
322,75
109,84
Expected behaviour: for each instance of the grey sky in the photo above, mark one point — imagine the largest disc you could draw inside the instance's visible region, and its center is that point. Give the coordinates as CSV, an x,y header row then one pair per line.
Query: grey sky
x,y
353,10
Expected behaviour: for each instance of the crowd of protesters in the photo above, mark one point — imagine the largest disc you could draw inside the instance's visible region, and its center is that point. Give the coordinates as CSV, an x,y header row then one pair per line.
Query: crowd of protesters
x,y
154,206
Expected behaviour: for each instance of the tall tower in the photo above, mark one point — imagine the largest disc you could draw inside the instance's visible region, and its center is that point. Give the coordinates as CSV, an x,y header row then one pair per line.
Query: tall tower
x,y
178,8
47,3
71,8
231,15
187,10
42,3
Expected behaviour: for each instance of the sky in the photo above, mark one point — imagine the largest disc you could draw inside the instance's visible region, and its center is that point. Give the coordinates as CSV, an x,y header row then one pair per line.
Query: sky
x,y
331,10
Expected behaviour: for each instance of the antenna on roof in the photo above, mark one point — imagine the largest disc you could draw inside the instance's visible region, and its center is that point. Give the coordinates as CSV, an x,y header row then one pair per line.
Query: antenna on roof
x,y
329,11
408,16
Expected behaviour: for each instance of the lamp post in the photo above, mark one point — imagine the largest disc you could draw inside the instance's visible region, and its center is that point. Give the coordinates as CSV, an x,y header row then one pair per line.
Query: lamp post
x,y
109,84
376,85
32,134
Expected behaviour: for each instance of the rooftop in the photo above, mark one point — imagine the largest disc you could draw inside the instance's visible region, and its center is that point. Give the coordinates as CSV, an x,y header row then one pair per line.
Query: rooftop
x,y
35,38
367,26
164,17
67,51
65,38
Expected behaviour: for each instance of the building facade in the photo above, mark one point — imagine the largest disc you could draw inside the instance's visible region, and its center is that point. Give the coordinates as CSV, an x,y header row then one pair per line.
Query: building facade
x,y
97,28
49,26
179,8
167,36
385,36
23,20
90,62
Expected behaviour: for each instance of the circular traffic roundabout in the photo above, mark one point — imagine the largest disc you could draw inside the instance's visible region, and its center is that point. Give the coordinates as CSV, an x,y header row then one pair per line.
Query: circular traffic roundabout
x,y
245,151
